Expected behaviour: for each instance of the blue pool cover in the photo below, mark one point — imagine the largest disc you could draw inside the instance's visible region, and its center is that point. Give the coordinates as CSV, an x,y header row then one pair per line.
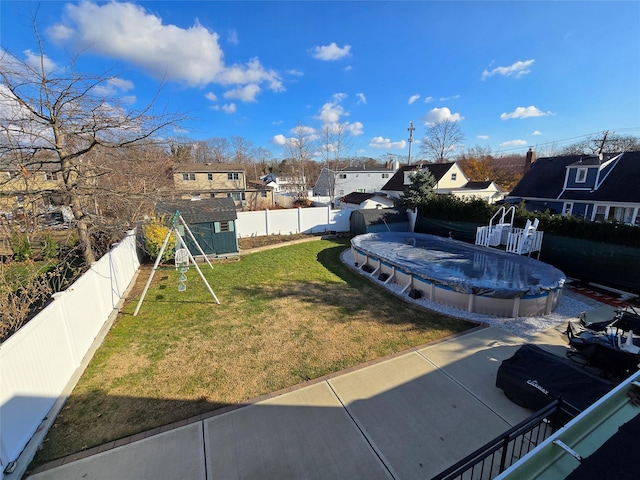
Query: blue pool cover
x,y
460,266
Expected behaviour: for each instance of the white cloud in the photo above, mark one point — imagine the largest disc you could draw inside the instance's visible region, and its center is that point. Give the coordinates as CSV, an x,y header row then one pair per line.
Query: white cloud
x,y
361,98
483,137
517,70
279,139
232,37
113,87
331,52
330,112
39,61
211,96
295,73
381,142
299,131
246,94
126,31
413,98
524,112
429,99
537,132
355,128
229,108
348,68
441,114
513,143
454,97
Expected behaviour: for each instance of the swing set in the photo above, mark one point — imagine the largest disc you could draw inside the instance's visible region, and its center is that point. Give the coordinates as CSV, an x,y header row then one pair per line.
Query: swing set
x,y
182,258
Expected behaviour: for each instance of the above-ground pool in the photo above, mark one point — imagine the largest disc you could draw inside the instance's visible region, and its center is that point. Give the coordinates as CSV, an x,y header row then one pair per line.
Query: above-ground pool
x,y
468,277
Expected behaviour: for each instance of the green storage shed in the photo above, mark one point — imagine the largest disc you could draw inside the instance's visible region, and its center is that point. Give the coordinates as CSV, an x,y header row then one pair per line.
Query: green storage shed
x,y
212,222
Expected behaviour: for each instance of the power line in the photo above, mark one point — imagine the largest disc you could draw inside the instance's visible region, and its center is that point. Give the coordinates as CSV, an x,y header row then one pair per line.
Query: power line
x,y
559,142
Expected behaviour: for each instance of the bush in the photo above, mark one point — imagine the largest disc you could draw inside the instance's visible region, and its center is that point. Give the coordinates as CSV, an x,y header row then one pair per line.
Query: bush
x,y
21,248
49,247
155,231
451,208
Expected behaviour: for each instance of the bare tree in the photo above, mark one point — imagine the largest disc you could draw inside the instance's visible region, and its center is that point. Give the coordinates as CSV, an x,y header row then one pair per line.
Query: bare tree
x,y
300,149
441,140
603,143
219,150
334,144
59,117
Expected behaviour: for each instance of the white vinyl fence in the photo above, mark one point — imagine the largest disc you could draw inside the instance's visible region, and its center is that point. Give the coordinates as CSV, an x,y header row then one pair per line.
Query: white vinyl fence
x,y
290,221
38,362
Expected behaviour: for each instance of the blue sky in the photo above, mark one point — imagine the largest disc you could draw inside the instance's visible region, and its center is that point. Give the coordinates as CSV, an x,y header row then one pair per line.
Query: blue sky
x,y
512,74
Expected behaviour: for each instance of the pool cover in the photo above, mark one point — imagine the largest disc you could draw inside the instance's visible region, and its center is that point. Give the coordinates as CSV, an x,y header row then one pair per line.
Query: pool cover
x,y
460,266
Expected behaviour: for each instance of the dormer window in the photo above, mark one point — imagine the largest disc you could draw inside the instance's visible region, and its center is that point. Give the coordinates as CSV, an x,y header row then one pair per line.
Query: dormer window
x,y
454,176
581,175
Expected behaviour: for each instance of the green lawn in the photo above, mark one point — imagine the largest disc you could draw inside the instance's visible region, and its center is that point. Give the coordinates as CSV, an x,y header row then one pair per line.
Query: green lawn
x,y
286,315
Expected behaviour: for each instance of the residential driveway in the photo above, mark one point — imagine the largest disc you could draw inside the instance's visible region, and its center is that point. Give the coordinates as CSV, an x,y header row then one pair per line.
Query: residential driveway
x,y
406,417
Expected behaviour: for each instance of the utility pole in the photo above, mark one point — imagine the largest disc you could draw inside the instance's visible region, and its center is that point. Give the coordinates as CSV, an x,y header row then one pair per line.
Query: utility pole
x,y
410,129
604,139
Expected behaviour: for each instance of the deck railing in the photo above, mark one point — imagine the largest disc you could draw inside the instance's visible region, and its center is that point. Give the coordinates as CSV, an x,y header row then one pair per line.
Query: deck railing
x,y
496,456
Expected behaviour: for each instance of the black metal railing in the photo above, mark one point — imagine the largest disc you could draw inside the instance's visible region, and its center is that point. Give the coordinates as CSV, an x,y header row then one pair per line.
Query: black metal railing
x,y
496,456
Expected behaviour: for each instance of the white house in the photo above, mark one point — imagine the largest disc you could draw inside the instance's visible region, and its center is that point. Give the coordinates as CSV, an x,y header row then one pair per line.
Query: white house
x,y
363,179
358,201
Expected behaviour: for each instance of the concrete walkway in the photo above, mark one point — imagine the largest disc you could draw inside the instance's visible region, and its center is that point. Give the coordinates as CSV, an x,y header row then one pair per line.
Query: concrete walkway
x,y
406,417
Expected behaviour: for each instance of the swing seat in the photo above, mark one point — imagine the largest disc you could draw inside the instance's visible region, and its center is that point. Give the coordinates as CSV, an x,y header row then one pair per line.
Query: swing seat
x,y
182,257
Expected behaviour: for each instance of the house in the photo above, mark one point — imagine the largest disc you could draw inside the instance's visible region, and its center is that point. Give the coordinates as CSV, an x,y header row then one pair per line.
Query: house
x,y
36,187
197,181
449,178
355,200
211,220
337,183
378,220
597,188
285,184
488,191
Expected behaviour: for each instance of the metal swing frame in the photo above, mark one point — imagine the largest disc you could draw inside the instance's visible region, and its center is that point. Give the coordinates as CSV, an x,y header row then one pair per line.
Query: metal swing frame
x,y
177,217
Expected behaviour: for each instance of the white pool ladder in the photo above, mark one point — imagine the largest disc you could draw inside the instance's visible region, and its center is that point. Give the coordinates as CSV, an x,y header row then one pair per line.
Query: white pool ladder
x,y
498,234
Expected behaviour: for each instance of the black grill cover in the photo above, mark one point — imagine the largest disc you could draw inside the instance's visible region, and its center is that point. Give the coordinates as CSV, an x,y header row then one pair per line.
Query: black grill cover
x,y
533,378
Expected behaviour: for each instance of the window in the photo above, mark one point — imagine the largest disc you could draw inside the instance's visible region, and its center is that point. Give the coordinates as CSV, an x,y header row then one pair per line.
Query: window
x,y
51,176
189,177
342,176
581,175
209,176
385,175
601,211
263,194
361,190
195,197
237,196
568,208
233,176
454,176
223,226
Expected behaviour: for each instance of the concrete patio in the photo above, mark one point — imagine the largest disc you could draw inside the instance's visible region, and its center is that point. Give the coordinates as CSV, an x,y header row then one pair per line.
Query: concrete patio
x,y
409,416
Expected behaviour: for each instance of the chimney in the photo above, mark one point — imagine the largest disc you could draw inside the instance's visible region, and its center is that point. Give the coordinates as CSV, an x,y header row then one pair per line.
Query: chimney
x,y
531,158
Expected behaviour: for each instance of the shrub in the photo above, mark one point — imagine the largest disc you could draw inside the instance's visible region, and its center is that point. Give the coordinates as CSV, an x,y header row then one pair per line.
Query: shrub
x,y
155,231
49,247
21,247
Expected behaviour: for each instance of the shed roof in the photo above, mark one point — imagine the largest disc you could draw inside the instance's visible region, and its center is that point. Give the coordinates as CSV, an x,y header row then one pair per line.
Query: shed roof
x,y
357,197
200,211
438,170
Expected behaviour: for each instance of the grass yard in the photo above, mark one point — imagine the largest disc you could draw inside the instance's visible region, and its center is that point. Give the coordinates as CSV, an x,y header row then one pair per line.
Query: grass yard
x,y
287,315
